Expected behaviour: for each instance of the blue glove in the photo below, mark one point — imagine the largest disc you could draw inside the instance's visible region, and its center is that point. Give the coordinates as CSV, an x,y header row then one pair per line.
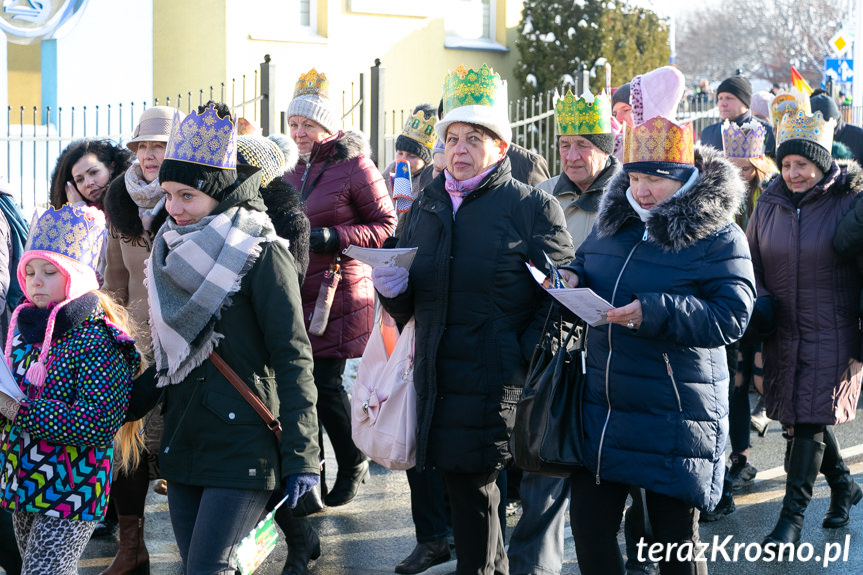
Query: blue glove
x,y
390,281
298,485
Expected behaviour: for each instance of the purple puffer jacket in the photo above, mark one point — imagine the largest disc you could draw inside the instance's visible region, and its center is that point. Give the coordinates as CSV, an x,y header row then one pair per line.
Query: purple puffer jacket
x,y
812,371
350,197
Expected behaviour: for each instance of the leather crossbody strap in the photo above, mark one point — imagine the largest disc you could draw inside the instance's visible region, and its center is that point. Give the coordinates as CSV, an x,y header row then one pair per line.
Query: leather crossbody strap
x,y
247,394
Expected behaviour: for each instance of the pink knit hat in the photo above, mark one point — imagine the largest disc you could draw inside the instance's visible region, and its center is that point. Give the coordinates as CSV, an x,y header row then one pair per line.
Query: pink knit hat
x,y
71,238
656,93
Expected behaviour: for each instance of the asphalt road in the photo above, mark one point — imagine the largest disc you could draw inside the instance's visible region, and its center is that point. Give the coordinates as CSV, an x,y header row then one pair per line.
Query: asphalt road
x,y
374,532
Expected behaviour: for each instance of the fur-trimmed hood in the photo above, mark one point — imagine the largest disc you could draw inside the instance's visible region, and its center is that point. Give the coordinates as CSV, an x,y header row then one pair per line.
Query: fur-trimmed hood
x,y
285,209
680,221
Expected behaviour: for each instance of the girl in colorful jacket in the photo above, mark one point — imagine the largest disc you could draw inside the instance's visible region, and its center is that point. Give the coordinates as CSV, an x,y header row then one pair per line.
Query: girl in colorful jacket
x,y
72,364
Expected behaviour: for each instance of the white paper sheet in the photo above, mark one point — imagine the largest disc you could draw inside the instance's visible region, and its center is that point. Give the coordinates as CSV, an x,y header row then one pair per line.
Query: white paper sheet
x,y
376,257
584,303
8,385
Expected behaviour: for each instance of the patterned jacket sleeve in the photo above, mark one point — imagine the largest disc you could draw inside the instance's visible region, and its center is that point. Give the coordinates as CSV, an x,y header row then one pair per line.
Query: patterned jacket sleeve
x,y
103,380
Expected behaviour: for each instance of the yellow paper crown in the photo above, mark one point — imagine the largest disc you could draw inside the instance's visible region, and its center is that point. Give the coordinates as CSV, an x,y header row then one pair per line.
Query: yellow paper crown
x,y
746,141
788,103
314,83
659,140
469,87
585,115
809,127
421,129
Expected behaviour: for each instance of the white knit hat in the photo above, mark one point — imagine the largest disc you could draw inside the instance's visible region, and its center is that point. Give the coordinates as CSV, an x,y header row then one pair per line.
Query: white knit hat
x,y
311,100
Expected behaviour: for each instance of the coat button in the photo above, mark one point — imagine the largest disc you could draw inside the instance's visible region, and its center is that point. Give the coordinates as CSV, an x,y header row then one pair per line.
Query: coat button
x,y
232,415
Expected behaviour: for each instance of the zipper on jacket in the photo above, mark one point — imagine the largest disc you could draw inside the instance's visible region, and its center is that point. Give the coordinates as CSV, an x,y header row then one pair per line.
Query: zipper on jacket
x,y
183,416
608,359
673,382
798,214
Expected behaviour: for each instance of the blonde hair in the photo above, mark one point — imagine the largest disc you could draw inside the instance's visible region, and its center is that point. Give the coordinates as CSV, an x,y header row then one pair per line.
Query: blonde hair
x,y
129,440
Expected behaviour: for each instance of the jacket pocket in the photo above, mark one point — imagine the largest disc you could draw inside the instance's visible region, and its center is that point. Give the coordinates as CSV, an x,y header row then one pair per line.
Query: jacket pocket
x,y
670,372
231,409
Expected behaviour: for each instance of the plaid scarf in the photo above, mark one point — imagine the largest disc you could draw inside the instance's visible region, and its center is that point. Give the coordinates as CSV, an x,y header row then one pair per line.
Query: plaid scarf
x,y
192,273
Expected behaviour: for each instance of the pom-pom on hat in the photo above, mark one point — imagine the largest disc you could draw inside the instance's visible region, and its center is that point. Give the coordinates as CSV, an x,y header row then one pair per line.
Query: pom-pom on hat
x,y
656,93
266,154
202,151
154,126
475,97
71,239
312,101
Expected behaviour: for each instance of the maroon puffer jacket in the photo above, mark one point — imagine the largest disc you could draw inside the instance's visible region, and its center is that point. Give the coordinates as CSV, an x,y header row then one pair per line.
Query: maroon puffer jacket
x,y
351,197
812,371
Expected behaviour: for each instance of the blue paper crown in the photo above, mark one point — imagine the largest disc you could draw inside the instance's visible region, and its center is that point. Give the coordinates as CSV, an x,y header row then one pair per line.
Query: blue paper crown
x,y
203,139
71,232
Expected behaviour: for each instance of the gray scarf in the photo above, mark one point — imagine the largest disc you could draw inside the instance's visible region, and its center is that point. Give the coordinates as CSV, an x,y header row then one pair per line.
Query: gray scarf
x,y
192,273
147,196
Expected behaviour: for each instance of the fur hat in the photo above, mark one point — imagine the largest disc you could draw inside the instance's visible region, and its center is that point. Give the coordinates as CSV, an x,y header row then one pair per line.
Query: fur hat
x,y
312,101
153,126
739,87
71,239
656,93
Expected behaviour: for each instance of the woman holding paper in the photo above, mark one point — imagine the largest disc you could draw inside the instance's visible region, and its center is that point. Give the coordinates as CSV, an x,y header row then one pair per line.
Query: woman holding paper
x,y
347,203
665,251
478,311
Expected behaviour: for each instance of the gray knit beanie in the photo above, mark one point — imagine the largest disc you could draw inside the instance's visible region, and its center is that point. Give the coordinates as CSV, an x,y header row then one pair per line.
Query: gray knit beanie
x,y
315,108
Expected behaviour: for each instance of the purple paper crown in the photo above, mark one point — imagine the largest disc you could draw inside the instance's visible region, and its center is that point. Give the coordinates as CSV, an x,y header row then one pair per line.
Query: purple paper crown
x,y
76,233
746,141
203,139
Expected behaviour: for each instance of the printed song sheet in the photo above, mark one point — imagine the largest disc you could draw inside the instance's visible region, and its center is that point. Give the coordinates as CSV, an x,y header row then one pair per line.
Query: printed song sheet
x,y
400,257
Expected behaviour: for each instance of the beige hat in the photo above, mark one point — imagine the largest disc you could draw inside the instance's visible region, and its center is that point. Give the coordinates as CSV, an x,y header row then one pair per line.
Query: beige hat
x,y
154,126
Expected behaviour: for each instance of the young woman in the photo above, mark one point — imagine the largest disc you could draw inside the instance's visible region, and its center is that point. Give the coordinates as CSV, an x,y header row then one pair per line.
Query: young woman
x,y
69,351
84,170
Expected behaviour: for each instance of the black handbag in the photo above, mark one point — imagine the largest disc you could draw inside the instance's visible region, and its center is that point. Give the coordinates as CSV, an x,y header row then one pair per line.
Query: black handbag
x,y
548,436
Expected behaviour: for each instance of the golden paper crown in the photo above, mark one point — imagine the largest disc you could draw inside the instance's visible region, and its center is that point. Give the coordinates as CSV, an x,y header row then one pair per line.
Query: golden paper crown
x,y
313,83
746,141
421,129
204,139
588,114
659,140
809,127
788,103
469,87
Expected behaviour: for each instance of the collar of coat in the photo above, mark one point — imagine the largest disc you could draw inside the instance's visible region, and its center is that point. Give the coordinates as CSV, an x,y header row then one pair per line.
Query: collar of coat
x,y
32,321
500,175
844,177
588,200
682,220
122,212
343,146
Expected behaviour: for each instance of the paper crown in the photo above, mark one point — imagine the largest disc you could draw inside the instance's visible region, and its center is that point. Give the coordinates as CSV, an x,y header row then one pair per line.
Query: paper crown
x,y
403,194
659,140
809,127
77,233
746,141
788,103
421,129
588,114
203,139
312,83
469,87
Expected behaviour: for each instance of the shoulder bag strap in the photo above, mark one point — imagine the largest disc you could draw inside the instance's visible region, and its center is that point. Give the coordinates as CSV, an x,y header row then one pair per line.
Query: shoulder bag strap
x,y
247,394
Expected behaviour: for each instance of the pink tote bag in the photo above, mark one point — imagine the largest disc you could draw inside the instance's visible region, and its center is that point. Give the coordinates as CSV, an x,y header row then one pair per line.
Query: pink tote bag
x,y
384,401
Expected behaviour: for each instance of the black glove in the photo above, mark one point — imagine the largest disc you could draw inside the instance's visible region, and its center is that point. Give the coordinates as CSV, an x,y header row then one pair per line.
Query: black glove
x,y
323,240
145,395
390,242
762,324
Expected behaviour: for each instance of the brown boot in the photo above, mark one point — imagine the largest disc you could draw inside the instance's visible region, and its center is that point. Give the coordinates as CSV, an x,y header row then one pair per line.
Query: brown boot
x,y
132,557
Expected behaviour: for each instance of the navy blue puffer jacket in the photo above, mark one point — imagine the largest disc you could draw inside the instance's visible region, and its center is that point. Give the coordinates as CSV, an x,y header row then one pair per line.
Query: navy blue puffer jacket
x,y
656,403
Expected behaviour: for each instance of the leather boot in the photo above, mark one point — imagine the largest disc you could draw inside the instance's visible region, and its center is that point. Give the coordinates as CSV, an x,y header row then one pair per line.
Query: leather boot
x,y
346,486
425,555
132,556
303,542
844,491
803,465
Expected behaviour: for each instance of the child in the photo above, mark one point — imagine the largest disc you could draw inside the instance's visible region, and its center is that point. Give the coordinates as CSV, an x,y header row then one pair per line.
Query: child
x,y
73,362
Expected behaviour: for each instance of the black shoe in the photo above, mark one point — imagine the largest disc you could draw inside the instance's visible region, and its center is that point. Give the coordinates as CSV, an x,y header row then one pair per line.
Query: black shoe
x,y
107,527
346,486
423,556
741,472
725,507
844,491
634,567
803,465
304,545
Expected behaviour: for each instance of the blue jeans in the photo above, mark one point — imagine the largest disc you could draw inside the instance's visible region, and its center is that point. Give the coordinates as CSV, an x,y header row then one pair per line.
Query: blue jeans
x,y
536,543
209,523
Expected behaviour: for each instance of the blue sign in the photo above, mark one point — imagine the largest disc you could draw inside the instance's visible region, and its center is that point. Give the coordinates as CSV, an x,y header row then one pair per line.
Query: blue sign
x,y
840,69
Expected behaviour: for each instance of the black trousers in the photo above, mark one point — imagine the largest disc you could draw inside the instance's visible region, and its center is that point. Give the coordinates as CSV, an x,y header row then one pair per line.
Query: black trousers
x,y
474,501
594,515
334,412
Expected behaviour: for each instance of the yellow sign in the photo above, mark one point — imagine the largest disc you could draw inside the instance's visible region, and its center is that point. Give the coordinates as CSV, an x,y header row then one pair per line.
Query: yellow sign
x,y
839,43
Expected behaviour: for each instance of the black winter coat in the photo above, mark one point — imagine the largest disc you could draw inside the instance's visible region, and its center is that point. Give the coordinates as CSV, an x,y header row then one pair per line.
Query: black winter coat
x,y
478,313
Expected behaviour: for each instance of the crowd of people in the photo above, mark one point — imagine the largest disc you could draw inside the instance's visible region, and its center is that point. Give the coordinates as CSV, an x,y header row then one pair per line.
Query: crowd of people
x,y
188,312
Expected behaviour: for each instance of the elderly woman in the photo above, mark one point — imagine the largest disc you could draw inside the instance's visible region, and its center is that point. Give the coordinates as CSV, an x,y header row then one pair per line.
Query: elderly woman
x,y
477,309
347,203
812,369
666,253
134,206
221,282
